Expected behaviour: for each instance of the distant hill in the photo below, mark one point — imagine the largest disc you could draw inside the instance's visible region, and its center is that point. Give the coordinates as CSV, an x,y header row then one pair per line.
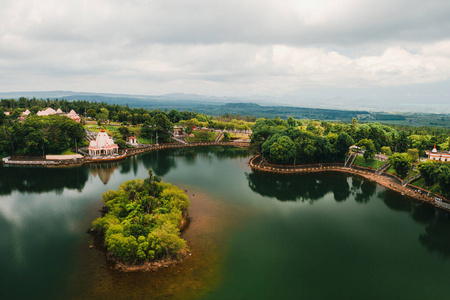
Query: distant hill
x,y
215,106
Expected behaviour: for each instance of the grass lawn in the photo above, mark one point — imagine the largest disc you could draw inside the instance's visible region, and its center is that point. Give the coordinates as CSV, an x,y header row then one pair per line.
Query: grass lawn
x,y
411,174
67,152
238,136
361,162
391,170
199,136
142,140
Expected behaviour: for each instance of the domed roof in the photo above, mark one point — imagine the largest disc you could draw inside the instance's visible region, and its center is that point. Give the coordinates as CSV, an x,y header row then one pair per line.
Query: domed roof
x,y
103,139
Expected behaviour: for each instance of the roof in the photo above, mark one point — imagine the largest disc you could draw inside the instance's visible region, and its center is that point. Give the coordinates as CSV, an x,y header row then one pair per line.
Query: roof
x,y
103,141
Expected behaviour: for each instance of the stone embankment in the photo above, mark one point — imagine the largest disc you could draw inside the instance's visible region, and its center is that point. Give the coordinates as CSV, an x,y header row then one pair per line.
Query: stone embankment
x,y
385,179
149,148
39,161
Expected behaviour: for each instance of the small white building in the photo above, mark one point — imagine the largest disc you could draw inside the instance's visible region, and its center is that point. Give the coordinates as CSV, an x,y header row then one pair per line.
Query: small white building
x,y
103,145
132,140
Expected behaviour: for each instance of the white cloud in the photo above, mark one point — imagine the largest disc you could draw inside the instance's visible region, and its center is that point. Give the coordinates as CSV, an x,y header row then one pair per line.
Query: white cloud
x,y
221,47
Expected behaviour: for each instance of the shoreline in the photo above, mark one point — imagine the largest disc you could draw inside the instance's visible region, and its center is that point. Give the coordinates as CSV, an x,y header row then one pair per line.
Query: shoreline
x,y
130,152
388,181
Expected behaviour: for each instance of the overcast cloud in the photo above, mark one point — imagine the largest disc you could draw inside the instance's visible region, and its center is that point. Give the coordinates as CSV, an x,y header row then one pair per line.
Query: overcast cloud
x,y
232,48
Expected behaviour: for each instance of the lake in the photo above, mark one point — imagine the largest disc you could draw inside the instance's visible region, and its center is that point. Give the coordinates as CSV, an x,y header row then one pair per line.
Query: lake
x,y
252,235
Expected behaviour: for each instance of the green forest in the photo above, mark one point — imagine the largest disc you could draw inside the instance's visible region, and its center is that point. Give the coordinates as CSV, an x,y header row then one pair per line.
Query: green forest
x,y
291,141
39,135
142,221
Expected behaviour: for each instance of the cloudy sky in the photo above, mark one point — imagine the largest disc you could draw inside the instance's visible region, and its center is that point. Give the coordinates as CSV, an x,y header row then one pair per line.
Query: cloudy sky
x,y
312,49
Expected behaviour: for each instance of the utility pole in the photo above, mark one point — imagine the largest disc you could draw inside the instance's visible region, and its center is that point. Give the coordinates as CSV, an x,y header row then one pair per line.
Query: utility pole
x,y
156,139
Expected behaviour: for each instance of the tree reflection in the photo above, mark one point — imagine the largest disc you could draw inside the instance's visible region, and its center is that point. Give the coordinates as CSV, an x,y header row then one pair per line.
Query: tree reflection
x,y
437,222
304,187
159,161
39,180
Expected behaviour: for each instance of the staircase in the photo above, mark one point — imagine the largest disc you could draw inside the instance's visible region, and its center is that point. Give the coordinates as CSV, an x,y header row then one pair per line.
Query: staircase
x,y
219,137
90,135
178,139
405,182
381,169
350,160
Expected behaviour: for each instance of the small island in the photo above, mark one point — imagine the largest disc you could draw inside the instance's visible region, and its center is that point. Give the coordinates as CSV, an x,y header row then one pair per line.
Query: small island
x,y
141,223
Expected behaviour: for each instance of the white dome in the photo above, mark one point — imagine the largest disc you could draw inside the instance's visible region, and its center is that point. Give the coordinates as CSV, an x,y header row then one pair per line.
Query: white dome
x,y
103,139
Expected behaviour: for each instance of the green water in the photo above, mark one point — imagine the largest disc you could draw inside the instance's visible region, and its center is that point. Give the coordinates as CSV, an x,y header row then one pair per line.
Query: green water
x,y
315,236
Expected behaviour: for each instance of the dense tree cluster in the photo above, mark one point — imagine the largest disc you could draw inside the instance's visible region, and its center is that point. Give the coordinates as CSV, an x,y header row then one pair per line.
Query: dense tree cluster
x,y
40,135
322,141
285,143
436,172
143,220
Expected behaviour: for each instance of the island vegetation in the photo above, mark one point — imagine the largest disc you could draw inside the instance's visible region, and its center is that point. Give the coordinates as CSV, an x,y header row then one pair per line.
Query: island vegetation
x,y
143,220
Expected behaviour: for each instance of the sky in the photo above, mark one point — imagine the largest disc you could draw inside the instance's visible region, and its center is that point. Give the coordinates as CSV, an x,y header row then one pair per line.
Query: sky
x,y
290,51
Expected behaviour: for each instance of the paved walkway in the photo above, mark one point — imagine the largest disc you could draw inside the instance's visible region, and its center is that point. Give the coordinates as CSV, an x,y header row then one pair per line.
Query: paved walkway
x,y
382,179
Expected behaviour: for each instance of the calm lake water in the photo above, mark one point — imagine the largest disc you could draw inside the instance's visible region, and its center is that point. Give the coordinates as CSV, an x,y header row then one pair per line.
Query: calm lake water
x,y
252,235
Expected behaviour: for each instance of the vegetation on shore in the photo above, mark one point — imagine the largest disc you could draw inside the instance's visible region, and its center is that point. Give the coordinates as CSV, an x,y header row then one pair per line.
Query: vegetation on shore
x,y
39,136
435,177
142,221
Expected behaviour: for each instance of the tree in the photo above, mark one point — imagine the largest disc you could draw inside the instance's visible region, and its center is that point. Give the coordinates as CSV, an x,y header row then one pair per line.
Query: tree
x,y
103,115
312,128
291,122
283,150
226,136
160,125
91,113
401,163
443,178
402,142
342,144
369,148
414,155
427,170
386,150
124,132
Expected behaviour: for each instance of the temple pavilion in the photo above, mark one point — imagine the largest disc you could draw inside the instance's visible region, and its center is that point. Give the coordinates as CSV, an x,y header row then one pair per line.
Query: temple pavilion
x,y
438,155
103,145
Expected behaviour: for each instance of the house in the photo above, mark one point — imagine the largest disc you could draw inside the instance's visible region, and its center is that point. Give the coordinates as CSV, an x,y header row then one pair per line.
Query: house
x,y
178,131
24,115
103,145
132,141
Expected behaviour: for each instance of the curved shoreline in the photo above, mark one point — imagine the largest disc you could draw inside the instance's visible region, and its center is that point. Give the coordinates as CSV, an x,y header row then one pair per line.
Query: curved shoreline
x,y
130,152
384,180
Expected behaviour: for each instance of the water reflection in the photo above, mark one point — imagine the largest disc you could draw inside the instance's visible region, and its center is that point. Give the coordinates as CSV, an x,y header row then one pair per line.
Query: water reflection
x,y
436,237
39,180
307,187
104,171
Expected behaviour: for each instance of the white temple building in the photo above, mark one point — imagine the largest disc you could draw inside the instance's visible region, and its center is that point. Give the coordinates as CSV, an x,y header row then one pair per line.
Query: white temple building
x,y
50,111
103,145
438,155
